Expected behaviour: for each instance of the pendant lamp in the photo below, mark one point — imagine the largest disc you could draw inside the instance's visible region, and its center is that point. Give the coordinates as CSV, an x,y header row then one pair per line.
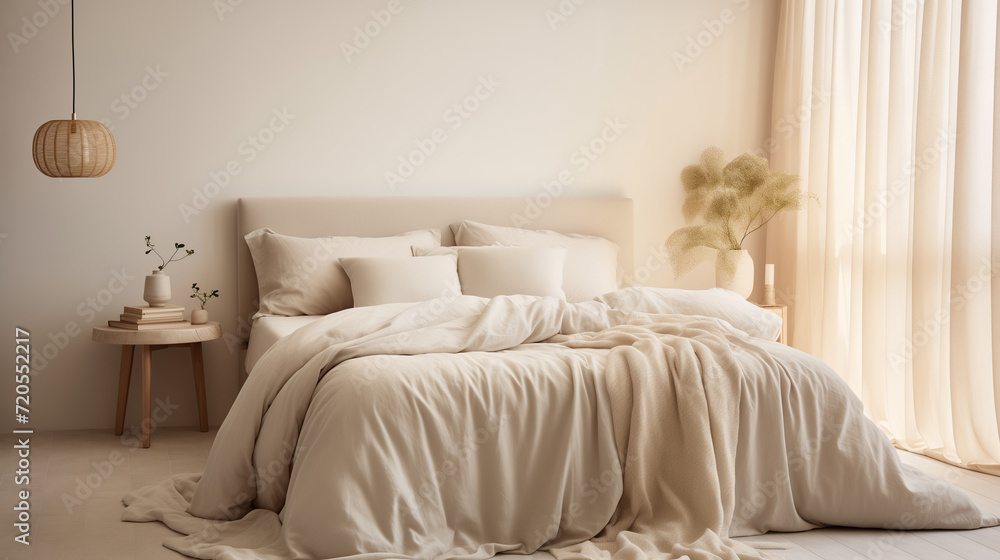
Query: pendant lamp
x,y
73,148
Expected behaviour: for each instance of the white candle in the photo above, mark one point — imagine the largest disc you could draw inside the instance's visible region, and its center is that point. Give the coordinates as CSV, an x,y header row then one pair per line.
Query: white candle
x,y
768,274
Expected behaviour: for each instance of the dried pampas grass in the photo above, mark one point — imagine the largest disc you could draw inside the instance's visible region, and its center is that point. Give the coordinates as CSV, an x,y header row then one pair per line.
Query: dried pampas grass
x,y
733,200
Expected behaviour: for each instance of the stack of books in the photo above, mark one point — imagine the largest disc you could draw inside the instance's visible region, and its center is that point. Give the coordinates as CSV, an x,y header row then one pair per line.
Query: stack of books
x,y
140,318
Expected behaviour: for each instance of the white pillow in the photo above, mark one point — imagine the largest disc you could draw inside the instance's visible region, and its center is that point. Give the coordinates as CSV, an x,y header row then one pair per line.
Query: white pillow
x,y
302,276
714,302
495,271
378,280
591,267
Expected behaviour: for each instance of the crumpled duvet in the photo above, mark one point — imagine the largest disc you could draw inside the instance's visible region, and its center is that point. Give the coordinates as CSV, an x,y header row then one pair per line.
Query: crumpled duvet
x,y
476,427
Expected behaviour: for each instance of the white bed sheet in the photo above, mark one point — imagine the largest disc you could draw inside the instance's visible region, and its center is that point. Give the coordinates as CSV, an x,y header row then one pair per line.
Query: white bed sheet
x,y
268,330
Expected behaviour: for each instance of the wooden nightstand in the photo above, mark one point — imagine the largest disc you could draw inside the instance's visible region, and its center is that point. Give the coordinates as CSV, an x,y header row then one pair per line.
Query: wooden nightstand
x,y
157,339
780,311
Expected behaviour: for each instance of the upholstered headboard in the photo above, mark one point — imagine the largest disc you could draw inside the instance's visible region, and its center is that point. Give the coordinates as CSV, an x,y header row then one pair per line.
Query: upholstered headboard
x,y
610,218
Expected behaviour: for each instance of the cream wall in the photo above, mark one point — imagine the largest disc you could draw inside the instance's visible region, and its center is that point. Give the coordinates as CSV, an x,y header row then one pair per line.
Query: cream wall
x,y
186,85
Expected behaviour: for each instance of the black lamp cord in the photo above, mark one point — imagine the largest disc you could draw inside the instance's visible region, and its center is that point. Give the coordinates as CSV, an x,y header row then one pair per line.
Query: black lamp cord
x,y
72,35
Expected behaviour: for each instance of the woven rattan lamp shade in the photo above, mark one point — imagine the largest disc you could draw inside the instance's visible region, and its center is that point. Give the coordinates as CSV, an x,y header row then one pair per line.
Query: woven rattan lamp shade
x,y
73,148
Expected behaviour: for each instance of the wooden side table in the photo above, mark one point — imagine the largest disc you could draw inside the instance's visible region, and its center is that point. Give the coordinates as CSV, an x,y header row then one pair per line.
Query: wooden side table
x,y
780,311
190,336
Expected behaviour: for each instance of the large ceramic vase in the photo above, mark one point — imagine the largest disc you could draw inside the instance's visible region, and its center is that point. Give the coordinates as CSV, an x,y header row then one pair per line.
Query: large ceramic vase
x,y
734,271
157,289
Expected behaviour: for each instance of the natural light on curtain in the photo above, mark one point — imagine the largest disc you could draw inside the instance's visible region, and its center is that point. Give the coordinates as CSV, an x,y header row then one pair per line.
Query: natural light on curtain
x,y
887,111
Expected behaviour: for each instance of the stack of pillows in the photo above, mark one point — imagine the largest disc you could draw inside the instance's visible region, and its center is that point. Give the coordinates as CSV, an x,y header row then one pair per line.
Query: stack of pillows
x,y
318,276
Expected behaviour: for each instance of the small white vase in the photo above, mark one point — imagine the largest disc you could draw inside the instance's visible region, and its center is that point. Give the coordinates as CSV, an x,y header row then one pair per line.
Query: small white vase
x,y
199,316
157,289
734,271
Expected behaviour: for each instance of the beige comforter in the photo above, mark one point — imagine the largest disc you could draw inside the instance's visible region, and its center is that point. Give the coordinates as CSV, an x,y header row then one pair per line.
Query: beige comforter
x,y
478,427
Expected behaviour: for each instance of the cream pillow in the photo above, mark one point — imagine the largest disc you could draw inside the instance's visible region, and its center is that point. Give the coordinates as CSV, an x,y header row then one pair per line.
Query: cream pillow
x,y
378,280
713,302
591,267
494,271
303,276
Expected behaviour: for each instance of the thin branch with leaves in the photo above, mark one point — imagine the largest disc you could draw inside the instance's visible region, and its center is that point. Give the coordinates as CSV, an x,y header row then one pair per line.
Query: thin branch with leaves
x,y
203,297
150,248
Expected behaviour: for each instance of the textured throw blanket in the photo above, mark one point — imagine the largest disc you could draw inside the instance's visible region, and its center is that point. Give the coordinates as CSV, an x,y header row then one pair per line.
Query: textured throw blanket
x,y
675,394
479,427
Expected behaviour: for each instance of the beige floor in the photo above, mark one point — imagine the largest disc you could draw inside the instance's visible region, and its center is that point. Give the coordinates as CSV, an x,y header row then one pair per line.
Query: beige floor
x,y
62,462
96,469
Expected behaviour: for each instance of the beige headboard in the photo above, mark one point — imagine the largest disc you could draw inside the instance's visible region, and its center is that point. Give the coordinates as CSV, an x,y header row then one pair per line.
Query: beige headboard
x,y
610,218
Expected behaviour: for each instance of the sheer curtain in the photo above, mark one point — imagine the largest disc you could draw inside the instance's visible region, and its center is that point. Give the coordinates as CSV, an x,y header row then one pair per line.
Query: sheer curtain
x,y
887,110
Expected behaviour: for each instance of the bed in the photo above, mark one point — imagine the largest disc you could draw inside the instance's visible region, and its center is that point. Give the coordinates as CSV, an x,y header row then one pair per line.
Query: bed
x,y
453,409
